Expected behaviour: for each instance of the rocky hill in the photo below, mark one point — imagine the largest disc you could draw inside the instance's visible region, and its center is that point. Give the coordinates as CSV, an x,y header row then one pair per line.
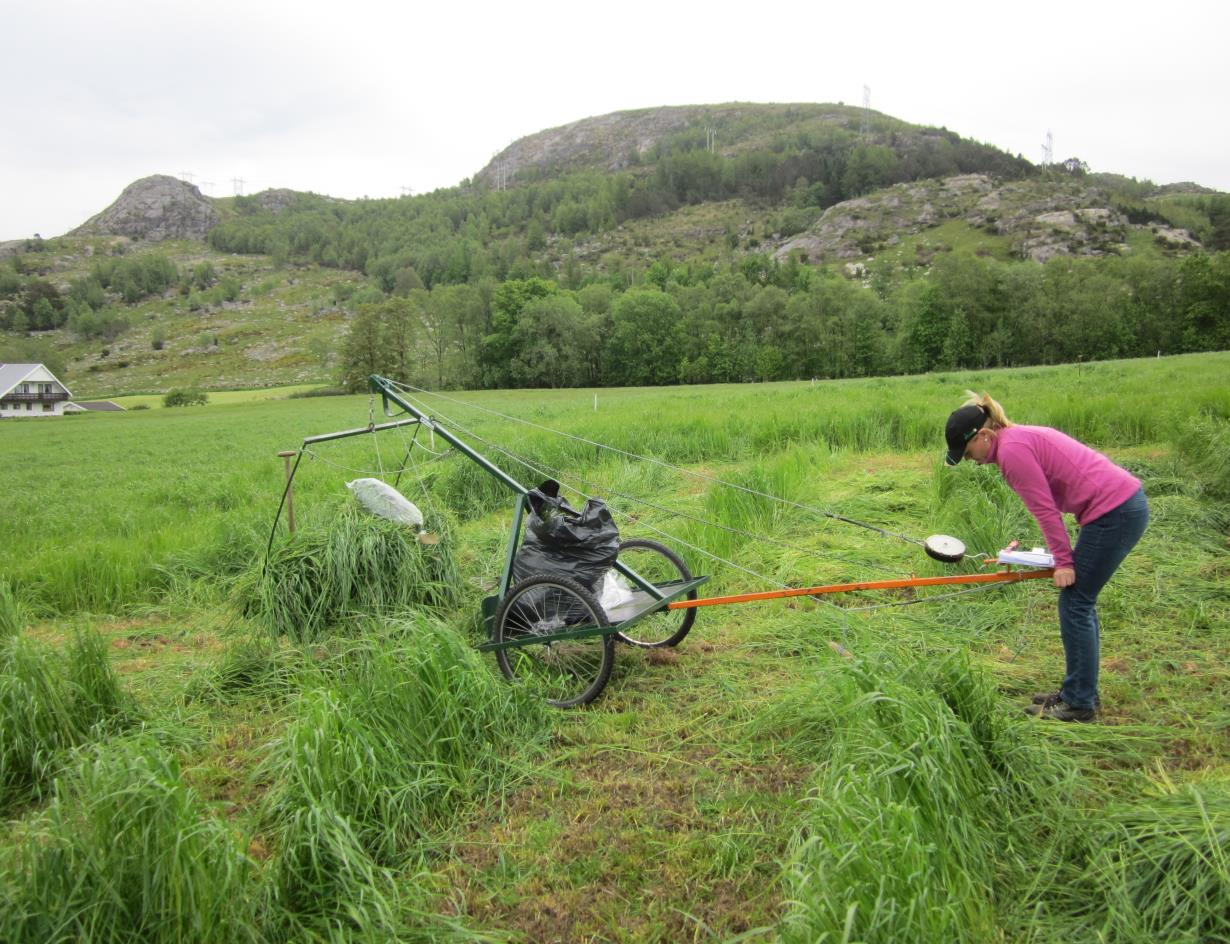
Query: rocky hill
x,y
154,209
628,139
1041,218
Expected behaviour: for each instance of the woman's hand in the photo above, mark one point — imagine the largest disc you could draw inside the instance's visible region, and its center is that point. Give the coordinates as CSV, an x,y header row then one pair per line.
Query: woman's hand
x,y
1064,577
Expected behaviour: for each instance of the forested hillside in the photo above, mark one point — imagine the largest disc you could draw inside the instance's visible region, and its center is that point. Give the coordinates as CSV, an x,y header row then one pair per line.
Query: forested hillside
x,y
719,243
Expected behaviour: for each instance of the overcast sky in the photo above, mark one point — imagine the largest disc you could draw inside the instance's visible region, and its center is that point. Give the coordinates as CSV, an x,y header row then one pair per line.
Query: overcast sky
x,y
367,98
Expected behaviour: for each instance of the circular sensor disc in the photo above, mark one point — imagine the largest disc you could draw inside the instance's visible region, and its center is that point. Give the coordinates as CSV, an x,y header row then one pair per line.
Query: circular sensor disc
x,y
944,547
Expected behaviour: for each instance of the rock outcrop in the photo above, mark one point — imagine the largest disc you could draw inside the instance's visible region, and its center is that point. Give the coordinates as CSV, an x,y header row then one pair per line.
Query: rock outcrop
x,y
1041,219
154,208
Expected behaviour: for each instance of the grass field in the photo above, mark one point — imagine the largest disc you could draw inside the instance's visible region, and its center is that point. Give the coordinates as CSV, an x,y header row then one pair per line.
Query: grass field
x,y
193,750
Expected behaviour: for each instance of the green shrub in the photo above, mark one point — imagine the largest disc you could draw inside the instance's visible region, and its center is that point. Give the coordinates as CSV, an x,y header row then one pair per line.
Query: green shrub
x,y
317,392
185,398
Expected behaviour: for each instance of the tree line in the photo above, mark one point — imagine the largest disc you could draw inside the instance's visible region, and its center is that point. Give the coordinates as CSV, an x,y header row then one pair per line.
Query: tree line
x,y
764,320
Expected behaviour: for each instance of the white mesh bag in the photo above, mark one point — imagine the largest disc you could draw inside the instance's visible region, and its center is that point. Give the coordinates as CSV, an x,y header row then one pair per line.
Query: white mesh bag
x,y
387,502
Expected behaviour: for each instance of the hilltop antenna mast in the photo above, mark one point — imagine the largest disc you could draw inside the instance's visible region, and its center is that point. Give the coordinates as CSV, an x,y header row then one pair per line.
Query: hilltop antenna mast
x,y
1048,151
865,124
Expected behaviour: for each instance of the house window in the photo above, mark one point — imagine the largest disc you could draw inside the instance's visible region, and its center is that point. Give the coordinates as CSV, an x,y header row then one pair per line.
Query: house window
x,y
47,407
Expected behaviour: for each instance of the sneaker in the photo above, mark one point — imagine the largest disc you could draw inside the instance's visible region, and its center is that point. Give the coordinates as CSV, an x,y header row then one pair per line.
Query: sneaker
x,y
1049,698
1060,710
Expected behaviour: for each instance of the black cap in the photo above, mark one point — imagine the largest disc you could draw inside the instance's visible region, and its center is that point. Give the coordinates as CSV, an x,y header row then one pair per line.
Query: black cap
x,y
962,426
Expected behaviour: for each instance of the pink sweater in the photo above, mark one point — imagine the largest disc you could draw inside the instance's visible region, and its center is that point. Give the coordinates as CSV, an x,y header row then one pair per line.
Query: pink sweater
x,y
1054,474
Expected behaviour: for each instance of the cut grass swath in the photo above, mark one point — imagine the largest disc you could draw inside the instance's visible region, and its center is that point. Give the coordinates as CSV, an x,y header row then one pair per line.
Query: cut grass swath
x,y
930,807
125,852
49,704
382,752
358,564
12,614
1163,868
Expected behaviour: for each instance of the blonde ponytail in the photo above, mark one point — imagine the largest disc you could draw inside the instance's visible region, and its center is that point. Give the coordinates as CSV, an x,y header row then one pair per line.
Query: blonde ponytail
x,y
996,417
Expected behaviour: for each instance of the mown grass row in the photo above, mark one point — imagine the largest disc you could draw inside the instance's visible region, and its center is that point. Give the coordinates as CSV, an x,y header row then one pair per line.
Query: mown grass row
x,y
934,814
50,703
394,730
358,564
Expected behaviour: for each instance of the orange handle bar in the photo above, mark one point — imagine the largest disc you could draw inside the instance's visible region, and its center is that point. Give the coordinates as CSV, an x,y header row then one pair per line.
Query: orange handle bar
x,y
1000,576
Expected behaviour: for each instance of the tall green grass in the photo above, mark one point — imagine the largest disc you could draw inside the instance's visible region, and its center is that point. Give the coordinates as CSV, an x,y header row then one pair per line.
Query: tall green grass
x,y
12,613
123,542
355,564
1204,443
250,667
49,703
930,809
975,504
126,852
1162,868
408,726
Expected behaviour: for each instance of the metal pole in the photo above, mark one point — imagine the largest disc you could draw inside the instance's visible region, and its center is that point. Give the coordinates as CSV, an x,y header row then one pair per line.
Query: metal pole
x,y
386,391
290,490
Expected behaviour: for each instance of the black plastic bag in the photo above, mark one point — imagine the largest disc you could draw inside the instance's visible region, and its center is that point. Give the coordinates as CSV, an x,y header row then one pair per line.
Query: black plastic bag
x,y
564,542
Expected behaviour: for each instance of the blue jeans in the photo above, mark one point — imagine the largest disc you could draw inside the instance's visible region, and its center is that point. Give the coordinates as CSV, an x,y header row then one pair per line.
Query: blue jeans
x,y
1100,549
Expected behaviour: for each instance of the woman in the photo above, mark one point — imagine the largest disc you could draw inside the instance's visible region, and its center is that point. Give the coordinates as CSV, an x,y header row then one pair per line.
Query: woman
x,y
1054,474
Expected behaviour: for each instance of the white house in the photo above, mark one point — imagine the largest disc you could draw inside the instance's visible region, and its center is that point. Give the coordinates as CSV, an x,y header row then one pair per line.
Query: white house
x,y
30,390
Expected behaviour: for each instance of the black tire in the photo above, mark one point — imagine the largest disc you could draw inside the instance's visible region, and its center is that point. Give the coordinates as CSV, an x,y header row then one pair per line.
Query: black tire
x,y
657,563
569,672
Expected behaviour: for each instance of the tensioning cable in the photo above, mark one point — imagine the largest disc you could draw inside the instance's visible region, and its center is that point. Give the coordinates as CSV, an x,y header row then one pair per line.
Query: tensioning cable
x,y
825,513
546,470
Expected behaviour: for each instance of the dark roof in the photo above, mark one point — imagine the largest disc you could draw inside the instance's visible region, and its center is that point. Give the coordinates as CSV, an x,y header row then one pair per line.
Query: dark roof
x,y
102,406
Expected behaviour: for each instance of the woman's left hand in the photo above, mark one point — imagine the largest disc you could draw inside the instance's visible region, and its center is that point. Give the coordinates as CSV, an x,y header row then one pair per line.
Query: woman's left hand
x,y
1064,577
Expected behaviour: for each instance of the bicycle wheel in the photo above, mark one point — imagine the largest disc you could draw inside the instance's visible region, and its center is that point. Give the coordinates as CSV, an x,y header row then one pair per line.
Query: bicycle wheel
x,y
569,671
658,564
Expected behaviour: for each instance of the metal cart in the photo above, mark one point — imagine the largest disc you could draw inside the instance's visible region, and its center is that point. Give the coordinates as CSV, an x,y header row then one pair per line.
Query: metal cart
x,y
550,631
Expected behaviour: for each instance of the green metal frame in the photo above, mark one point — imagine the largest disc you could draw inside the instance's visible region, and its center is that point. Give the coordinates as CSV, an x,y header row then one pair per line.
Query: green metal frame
x,y
580,632
389,394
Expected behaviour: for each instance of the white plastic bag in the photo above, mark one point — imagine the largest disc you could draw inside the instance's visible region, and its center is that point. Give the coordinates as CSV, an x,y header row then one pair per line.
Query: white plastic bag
x,y
386,502
615,591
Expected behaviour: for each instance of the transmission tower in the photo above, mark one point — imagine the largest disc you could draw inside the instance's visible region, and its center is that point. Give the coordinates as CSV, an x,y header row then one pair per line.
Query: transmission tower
x,y
207,186
187,176
1048,151
237,183
407,191
865,124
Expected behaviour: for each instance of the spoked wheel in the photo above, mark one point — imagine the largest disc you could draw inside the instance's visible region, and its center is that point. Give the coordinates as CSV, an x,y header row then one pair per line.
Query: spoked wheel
x,y
568,671
658,564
